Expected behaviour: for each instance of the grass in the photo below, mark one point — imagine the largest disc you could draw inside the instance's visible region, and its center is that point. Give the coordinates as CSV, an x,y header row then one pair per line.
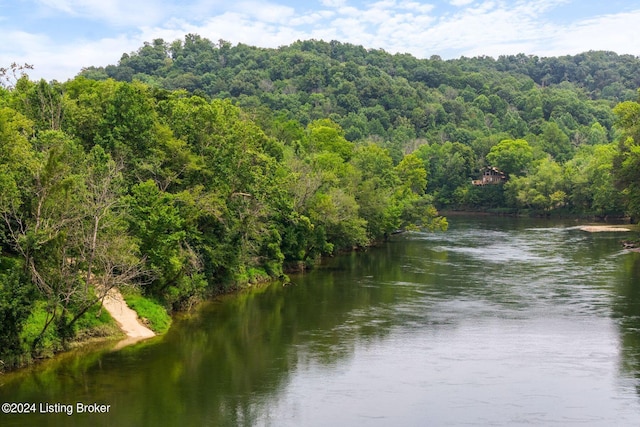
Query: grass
x,y
50,342
96,323
251,276
151,313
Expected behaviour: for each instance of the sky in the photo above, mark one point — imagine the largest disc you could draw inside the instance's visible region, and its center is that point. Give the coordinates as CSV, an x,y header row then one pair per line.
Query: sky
x,y
60,37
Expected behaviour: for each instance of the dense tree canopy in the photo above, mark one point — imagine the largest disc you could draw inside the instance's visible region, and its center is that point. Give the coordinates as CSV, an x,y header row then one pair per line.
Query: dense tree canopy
x,y
400,103
128,185
627,162
513,157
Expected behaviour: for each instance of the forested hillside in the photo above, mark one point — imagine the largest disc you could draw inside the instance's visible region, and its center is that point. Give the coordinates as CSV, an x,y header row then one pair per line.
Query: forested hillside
x,y
194,167
449,113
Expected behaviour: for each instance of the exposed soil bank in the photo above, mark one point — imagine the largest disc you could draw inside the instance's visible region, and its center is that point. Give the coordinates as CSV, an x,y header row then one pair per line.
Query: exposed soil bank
x,y
126,318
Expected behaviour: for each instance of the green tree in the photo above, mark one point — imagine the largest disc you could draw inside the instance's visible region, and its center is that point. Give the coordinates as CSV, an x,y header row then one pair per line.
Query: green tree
x,y
626,165
555,142
162,229
376,190
337,213
86,102
513,157
416,208
450,166
16,302
126,128
58,221
544,189
597,134
412,174
326,135
591,177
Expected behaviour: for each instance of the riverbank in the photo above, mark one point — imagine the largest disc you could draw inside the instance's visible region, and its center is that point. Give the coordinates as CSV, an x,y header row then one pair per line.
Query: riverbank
x,y
120,319
526,213
126,318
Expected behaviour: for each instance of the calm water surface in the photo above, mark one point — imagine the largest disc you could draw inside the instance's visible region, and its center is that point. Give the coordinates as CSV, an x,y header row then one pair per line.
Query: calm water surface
x,y
495,322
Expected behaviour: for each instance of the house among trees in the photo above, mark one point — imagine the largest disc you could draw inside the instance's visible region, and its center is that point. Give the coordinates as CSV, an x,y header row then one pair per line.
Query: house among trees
x,y
491,176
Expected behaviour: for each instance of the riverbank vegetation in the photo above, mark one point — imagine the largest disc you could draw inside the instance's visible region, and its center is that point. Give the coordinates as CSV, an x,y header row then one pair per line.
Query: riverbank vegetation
x,y
112,184
150,312
191,168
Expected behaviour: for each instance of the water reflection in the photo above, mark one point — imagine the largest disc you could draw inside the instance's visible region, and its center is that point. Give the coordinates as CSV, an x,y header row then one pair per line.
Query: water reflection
x,y
494,322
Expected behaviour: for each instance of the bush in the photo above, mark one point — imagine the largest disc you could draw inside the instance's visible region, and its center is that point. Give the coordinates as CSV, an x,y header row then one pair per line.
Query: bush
x,y
16,299
96,322
48,343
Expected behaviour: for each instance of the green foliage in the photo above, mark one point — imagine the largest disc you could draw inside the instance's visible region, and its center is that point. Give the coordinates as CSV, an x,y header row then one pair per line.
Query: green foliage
x,y
34,341
395,98
95,322
512,157
489,197
628,119
324,135
16,302
626,164
401,102
149,311
126,127
412,175
590,175
555,142
542,190
208,166
449,166
336,212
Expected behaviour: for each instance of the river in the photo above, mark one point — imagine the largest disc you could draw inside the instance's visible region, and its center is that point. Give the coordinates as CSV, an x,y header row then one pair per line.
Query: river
x,y
497,321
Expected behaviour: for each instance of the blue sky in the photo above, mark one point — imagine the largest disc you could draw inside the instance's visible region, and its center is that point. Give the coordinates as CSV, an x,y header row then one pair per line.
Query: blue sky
x,y
59,37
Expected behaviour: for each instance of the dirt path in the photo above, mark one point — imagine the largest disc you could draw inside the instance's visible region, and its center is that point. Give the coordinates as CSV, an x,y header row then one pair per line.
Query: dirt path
x,y
127,318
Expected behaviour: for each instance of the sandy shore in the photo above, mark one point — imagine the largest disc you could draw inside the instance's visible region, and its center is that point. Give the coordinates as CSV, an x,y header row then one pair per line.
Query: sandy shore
x,y
127,318
603,228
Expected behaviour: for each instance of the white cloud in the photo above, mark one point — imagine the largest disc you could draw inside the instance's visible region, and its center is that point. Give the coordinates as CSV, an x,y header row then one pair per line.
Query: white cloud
x,y
265,12
312,18
61,5
482,27
232,26
115,12
417,7
333,3
616,32
460,3
61,62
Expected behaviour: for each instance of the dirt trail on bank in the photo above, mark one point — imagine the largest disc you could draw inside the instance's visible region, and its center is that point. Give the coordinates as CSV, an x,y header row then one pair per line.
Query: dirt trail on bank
x,y
128,320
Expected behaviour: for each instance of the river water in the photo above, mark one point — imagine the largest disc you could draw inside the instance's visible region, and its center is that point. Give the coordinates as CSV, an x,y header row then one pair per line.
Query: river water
x,y
494,322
